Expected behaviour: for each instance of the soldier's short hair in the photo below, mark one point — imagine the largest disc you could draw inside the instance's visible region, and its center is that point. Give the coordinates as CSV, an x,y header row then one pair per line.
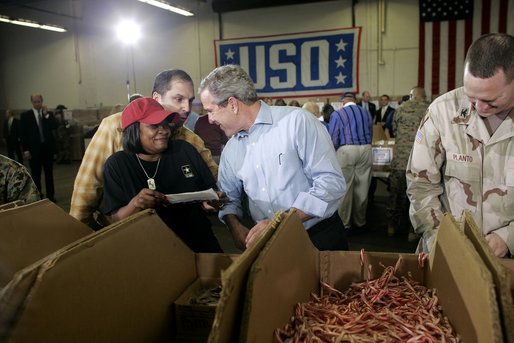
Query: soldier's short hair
x,y
490,53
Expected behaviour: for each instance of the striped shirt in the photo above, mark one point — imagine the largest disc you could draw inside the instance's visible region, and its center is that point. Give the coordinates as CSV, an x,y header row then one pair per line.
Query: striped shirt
x,y
350,125
88,188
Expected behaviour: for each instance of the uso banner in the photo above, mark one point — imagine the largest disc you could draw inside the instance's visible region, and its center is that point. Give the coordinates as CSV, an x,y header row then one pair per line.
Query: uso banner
x,y
321,63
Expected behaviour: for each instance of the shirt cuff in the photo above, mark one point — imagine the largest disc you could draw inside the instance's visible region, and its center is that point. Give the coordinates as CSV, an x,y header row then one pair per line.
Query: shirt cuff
x,y
310,205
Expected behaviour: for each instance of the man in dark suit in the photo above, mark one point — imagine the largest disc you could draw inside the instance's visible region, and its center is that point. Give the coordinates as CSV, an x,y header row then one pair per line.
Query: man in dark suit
x,y
368,105
38,143
12,136
385,115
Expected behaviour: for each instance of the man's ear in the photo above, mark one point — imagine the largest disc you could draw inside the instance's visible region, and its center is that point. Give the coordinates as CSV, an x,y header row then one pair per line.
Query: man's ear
x,y
156,96
234,105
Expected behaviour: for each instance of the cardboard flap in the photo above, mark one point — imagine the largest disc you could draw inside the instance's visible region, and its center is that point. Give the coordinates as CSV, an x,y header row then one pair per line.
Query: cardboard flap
x,y
11,205
31,232
117,285
233,280
500,273
470,302
365,266
285,272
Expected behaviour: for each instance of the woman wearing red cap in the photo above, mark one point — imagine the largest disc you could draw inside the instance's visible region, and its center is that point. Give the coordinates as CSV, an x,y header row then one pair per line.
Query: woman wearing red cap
x,y
150,166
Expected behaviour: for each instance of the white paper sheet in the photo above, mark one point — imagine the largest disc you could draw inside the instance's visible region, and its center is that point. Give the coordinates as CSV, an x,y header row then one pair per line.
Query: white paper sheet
x,y
208,194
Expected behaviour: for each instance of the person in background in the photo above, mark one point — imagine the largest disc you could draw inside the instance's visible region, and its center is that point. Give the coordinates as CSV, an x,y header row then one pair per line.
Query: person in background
x,y
173,89
351,128
403,99
12,136
268,101
462,157
366,103
191,120
294,103
151,166
406,122
280,102
385,115
135,96
281,157
16,183
38,143
213,136
313,108
62,133
327,111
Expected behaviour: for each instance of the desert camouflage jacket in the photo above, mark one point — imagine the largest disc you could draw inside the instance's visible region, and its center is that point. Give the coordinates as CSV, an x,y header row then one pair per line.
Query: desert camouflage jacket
x,y
456,165
16,183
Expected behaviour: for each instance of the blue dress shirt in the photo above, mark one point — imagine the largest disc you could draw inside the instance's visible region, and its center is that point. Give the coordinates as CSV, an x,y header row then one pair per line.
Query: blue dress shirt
x,y
285,160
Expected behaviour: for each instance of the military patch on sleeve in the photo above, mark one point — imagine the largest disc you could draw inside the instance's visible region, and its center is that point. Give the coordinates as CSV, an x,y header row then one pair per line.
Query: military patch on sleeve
x,y
419,137
186,169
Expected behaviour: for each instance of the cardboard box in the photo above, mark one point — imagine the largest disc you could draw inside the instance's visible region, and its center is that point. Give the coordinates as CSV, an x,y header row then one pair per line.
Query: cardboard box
x,y
500,272
33,231
13,204
194,322
116,285
378,133
289,268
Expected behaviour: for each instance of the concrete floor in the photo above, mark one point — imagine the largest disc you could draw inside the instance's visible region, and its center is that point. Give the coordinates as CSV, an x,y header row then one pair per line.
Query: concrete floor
x,y
375,238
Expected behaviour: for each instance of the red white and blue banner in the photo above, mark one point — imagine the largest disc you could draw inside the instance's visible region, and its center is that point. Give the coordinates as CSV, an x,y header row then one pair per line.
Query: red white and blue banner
x,y
309,64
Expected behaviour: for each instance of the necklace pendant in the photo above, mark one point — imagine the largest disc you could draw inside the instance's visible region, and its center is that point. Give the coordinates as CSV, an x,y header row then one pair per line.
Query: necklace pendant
x,y
151,184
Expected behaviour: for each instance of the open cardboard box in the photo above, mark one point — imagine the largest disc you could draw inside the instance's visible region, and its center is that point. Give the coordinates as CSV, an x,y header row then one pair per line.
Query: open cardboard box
x,y
289,269
501,273
33,231
116,285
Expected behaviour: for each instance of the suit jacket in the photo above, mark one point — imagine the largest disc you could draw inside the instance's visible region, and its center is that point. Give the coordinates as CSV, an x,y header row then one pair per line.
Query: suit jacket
x,y
389,110
30,139
12,135
387,119
372,109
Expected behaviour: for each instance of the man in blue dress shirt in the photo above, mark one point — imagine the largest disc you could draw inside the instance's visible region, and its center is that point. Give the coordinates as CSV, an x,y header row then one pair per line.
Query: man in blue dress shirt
x,y
280,157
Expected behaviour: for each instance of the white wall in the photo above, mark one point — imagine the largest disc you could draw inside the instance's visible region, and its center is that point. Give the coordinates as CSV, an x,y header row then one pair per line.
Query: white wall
x,y
87,66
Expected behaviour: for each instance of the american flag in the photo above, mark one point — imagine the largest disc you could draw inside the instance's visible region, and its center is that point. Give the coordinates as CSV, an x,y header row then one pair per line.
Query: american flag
x,y
446,30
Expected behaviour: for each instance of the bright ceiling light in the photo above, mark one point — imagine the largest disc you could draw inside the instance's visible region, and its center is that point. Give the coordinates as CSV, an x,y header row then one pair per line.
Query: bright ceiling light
x,y
128,32
30,23
166,6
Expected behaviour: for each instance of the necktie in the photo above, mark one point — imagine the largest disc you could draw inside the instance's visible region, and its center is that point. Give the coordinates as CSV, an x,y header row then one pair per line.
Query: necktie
x,y
40,125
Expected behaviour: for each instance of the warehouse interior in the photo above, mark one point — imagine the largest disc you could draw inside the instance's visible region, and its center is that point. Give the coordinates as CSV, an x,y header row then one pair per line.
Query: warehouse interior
x,y
134,281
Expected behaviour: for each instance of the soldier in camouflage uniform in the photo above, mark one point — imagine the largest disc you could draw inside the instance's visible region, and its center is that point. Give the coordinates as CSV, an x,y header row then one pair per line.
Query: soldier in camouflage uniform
x,y
405,124
62,136
463,155
16,183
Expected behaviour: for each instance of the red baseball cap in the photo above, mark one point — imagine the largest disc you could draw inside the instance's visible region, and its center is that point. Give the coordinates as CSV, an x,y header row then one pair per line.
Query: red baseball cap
x,y
146,111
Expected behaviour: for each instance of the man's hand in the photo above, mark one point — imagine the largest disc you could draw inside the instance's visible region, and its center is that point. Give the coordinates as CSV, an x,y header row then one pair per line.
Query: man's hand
x,y
215,205
497,244
27,155
238,230
256,231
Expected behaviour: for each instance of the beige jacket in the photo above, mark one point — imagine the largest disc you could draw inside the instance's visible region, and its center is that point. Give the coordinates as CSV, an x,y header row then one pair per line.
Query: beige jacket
x,y
456,165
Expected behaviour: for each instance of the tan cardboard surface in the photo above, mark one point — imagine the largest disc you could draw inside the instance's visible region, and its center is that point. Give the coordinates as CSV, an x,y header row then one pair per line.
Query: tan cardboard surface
x,y
10,205
464,285
500,273
31,232
117,285
284,273
227,321
290,268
